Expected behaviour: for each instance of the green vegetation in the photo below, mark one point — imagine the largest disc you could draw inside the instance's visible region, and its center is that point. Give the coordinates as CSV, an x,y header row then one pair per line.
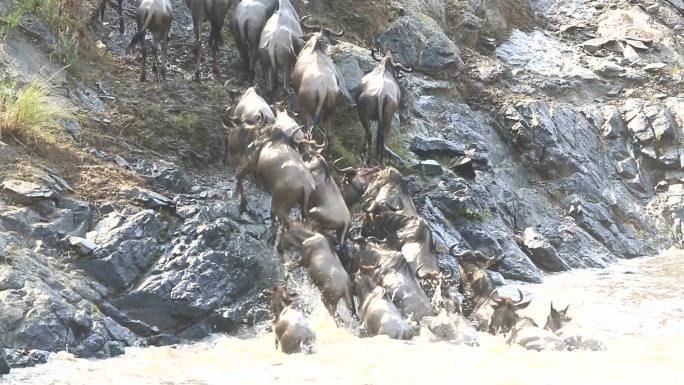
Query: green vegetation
x,y
28,114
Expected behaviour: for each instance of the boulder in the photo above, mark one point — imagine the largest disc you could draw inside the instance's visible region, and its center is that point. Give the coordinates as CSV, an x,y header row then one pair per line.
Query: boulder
x,y
540,250
422,46
4,365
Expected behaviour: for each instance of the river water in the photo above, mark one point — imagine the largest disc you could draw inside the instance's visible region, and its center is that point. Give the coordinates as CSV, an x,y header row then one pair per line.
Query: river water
x,y
635,307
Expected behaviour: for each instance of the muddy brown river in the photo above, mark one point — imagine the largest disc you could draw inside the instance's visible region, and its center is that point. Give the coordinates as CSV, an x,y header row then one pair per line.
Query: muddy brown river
x,y
635,307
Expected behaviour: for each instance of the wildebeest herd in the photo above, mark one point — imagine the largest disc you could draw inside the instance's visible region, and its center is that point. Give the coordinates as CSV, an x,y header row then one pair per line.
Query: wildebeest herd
x,y
391,271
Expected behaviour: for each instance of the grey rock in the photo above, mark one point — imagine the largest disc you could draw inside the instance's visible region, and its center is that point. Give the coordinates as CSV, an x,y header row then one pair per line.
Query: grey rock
x,y
23,358
88,98
541,252
423,47
655,67
425,146
595,44
168,176
148,198
84,246
127,245
429,167
26,192
627,168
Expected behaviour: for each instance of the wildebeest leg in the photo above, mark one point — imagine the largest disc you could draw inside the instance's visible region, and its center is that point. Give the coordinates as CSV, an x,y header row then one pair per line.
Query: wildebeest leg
x,y
143,74
165,48
380,142
121,20
369,136
274,224
197,25
215,38
241,175
103,7
306,201
155,67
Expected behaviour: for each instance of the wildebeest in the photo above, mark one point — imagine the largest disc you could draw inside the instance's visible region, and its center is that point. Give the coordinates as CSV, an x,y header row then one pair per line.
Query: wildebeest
x,y
328,209
272,156
396,276
379,185
279,44
557,318
292,330
410,235
527,334
476,284
324,267
247,22
378,100
505,314
155,16
103,7
251,109
316,80
378,313
215,12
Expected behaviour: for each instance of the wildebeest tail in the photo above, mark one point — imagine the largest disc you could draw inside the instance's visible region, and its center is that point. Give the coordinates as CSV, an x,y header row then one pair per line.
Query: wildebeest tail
x,y
140,35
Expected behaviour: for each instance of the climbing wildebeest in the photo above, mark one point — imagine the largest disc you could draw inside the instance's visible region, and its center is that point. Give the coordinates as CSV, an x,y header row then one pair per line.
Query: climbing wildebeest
x,y
378,313
251,109
397,277
328,209
505,314
316,80
410,235
379,185
155,16
378,100
476,284
215,12
324,267
279,44
292,330
103,7
272,156
249,19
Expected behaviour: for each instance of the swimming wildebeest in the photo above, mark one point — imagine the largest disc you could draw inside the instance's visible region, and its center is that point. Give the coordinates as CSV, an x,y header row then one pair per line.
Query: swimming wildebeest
x,y
292,330
324,267
378,100
378,313
215,12
505,314
103,7
155,16
316,79
249,19
279,44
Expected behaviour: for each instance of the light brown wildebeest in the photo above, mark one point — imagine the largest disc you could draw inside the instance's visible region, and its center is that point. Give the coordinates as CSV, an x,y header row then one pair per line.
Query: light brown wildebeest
x,y
215,12
317,80
249,19
378,100
324,267
378,313
155,16
292,330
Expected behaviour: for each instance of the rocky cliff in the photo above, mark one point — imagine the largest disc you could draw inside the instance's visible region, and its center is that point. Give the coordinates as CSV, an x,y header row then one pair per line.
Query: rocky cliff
x,y
545,132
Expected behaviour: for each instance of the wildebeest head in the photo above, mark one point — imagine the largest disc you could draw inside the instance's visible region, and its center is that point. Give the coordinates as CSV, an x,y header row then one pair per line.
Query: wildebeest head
x,y
280,299
321,39
389,64
354,183
473,266
557,318
506,313
366,279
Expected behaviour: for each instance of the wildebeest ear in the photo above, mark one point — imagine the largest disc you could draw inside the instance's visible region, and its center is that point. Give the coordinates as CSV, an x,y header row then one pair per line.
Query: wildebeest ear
x,y
522,305
497,305
552,309
292,294
566,309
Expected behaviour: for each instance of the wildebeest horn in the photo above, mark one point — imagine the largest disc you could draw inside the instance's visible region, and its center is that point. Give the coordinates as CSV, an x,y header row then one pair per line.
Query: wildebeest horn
x,y
308,26
321,146
521,297
347,170
374,52
401,67
373,208
338,34
566,309
376,240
